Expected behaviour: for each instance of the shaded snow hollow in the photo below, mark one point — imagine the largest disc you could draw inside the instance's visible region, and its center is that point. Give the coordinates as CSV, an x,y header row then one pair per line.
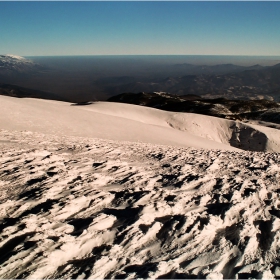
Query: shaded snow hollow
x,y
121,191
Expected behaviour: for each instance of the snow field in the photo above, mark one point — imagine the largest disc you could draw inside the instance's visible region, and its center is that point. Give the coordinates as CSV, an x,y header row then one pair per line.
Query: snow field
x,y
126,122
77,207
113,190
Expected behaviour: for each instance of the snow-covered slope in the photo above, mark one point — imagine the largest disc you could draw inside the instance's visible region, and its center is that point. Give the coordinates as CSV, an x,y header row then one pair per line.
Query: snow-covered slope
x,y
122,191
241,135
90,208
16,64
137,124
116,121
134,123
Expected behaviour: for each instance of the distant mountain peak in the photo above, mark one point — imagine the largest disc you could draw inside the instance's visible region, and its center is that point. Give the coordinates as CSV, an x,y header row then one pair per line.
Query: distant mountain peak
x,y
15,56
10,63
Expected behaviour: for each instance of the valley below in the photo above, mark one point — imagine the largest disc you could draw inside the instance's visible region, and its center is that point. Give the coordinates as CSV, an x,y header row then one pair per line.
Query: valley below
x,y
84,78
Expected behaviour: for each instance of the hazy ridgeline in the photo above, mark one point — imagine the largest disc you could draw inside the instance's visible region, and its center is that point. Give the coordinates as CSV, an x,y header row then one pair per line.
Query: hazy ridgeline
x,y
82,78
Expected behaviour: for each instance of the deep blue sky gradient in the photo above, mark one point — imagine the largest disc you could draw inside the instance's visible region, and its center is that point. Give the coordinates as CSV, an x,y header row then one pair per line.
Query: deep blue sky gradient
x,y
101,28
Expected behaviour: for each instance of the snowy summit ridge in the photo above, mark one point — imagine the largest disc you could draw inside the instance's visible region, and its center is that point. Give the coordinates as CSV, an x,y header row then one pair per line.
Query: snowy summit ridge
x,y
11,63
11,58
15,56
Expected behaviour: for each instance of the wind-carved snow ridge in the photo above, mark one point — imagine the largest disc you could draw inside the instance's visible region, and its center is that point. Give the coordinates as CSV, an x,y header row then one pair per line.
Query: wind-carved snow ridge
x,y
74,207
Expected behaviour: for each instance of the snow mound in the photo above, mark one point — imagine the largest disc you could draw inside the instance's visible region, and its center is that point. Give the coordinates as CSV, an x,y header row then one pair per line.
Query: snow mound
x,y
126,122
237,134
138,124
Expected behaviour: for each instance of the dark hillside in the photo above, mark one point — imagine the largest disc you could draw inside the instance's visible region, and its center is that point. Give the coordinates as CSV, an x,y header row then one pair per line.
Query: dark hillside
x,y
265,110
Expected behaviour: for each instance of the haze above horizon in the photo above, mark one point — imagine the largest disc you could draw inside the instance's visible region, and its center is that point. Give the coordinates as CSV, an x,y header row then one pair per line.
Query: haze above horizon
x,y
140,28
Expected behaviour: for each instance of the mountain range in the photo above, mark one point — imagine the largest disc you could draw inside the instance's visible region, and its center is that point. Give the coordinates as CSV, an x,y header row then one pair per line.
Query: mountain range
x,y
83,79
252,83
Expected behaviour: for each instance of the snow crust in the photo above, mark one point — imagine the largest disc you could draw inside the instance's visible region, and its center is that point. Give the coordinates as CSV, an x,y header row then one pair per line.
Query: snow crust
x,y
76,207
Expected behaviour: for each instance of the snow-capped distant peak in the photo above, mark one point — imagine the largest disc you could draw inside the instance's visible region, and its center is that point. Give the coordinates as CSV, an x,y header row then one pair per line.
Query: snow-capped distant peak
x,y
15,56
10,63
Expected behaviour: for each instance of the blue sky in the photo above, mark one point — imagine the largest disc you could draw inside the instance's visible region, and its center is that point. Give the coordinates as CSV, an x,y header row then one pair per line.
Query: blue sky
x,y
108,28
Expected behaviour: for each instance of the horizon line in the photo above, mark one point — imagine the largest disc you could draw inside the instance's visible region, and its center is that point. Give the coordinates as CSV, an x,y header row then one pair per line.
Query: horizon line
x,y
247,55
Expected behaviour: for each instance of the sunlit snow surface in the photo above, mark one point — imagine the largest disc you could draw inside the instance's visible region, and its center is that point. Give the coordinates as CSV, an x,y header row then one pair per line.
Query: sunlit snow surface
x,y
77,207
122,191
